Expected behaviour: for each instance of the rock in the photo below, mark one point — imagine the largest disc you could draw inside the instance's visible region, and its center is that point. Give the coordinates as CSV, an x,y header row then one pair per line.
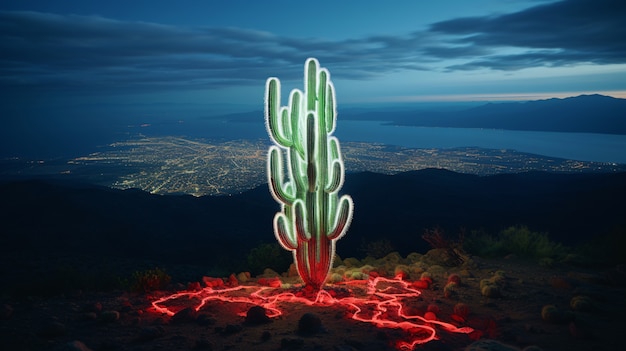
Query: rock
x,y
344,348
430,316
462,310
89,316
440,257
93,307
126,306
243,277
351,262
454,278
6,311
229,329
212,282
490,345
580,330
76,346
552,314
150,333
186,315
205,319
435,345
402,271
291,344
52,329
269,273
335,278
309,324
203,344
581,303
490,291
414,257
532,348
257,315
109,316
450,290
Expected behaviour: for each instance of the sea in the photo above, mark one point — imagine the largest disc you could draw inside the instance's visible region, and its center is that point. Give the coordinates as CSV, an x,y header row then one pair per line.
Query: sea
x,y
608,148
76,142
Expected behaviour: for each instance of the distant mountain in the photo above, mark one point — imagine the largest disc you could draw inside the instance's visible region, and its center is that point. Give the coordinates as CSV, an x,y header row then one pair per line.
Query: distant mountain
x,y
583,114
42,217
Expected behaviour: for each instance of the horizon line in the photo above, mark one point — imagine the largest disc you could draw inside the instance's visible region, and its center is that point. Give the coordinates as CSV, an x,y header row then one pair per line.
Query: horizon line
x,y
620,94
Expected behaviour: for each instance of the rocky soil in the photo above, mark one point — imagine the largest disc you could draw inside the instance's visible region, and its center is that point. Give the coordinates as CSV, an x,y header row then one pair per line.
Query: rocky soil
x,y
512,304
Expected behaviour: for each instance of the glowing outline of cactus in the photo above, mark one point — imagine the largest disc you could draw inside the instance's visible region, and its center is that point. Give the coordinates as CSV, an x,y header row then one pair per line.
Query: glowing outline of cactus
x,y
311,219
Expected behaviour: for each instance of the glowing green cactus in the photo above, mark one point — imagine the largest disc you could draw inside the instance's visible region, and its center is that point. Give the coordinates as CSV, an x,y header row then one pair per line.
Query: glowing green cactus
x,y
312,217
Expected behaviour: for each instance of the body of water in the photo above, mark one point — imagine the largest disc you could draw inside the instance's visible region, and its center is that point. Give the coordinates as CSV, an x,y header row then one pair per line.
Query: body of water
x,y
575,146
71,141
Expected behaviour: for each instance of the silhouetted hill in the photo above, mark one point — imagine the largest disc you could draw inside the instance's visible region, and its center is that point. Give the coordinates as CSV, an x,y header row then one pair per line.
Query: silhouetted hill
x,y
584,114
40,216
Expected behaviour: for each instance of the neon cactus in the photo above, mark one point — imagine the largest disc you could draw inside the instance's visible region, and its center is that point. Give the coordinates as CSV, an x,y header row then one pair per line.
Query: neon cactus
x,y
312,216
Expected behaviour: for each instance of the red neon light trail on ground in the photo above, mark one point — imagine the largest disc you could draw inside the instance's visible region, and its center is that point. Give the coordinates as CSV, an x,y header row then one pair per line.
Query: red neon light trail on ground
x,y
381,305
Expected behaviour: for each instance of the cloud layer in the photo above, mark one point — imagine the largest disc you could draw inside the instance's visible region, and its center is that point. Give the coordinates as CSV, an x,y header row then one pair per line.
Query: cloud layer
x,y
556,34
68,52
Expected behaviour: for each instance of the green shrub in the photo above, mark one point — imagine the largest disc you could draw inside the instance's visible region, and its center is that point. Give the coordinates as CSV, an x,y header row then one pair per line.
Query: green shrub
x,y
518,240
149,280
481,243
269,256
604,249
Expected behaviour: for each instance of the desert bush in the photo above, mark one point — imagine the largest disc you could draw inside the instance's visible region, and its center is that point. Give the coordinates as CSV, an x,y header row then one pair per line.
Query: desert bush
x,y
453,248
149,280
268,256
518,240
603,249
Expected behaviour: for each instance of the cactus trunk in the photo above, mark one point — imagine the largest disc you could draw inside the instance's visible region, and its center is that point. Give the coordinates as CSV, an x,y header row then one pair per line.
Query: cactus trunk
x,y
312,217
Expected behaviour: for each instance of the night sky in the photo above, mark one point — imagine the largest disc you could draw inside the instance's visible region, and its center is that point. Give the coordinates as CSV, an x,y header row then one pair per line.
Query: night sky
x,y
100,55
222,51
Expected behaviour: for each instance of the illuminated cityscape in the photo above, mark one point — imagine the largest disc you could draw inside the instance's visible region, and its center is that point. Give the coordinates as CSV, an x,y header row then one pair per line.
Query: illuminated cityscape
x,y
172,165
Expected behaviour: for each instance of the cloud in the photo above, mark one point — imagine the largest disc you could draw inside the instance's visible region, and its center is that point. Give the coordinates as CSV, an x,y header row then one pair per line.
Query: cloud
x,y
562,33
72,53
46,49
51,51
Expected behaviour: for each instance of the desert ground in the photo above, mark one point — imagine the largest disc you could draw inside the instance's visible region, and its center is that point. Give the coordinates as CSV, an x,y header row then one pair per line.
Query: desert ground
x,y
508,304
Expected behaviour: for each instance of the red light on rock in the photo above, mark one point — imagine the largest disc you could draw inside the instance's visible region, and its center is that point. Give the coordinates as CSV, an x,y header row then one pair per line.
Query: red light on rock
x,y
378,301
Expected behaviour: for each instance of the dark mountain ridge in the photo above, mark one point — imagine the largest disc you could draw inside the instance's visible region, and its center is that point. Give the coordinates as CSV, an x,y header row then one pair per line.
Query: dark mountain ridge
x,y
41,216
580,114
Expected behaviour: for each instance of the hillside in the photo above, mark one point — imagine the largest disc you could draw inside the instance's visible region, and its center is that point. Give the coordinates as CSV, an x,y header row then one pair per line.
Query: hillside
x,y
42,217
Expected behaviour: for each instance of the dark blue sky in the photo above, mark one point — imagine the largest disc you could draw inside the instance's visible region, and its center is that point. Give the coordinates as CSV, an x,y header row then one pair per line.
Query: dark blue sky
x,y
222,51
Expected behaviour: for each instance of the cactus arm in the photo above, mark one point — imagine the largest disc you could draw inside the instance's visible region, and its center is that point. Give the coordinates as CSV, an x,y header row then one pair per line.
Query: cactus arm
x,y
330,109
335,181
302,232
273,112
336,178
296,109
310,84
282,192
343,218
311,167
283,234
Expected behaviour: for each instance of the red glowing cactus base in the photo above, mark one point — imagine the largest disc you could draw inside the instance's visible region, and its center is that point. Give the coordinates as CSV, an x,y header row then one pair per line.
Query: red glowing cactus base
x,y
378,301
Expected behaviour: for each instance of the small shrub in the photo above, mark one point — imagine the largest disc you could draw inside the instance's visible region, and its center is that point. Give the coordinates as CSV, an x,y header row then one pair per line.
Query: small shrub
x,y
518,240
149,280
269,256
439,240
